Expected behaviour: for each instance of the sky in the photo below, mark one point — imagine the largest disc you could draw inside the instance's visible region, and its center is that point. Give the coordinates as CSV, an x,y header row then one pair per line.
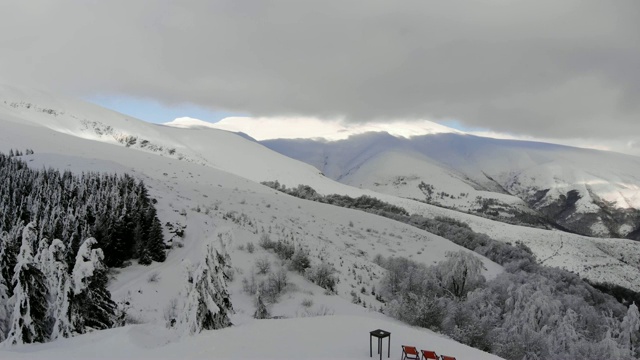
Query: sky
x,y
543,69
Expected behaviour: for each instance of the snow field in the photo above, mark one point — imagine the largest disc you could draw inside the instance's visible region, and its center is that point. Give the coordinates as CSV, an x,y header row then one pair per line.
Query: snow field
x,y
210,201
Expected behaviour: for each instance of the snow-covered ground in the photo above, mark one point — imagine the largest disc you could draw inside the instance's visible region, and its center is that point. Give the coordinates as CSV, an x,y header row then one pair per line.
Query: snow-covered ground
x,y
208,181
326,337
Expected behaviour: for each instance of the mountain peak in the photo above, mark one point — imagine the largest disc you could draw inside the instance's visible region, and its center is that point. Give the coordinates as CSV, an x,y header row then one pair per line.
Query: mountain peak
x,y
266,128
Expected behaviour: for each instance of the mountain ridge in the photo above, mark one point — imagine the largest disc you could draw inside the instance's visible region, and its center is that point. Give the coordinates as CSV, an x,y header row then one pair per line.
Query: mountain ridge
x,y
604,186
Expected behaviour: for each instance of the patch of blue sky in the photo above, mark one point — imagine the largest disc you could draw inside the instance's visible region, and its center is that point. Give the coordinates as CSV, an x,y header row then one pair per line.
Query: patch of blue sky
x,y
155,112
459,125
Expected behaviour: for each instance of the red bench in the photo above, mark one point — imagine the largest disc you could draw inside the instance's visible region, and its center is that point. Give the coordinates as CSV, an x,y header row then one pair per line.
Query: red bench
x,y
444,357
410,352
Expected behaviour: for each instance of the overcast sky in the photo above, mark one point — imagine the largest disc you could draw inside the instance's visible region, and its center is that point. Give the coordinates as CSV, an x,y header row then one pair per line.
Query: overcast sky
x,y
545,68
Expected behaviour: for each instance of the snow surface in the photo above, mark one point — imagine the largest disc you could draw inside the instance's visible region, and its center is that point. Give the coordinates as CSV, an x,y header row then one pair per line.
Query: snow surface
x,y
207,176
210,184
263,128
327,337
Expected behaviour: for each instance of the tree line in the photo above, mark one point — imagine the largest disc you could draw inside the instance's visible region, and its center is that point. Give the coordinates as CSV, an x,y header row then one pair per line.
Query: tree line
x,y
59,233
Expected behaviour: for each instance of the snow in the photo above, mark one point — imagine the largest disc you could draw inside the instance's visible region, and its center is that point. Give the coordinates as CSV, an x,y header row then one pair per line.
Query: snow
x,y
327,337
263,128
210,184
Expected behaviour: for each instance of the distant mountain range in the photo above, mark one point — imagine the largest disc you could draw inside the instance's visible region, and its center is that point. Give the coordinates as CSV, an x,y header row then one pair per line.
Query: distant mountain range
x,y
585,191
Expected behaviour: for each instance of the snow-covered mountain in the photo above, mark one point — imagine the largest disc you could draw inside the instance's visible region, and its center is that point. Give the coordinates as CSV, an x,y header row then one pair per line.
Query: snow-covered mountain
x,y
311,128
208,180
590,192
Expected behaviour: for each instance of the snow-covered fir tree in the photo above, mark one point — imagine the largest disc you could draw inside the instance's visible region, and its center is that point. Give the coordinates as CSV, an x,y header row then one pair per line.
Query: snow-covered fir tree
x,y
630,327
261,309
60,291
30,296
4,308
91,306
206,303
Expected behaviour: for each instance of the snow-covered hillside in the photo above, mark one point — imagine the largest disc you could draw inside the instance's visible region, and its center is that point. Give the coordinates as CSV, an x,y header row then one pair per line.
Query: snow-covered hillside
x,y
207,180
209,149
590,192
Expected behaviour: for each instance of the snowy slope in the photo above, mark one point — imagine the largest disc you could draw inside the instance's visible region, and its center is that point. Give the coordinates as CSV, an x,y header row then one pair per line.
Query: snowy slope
x,y
209,183
328,337
252,161
590,192
300,127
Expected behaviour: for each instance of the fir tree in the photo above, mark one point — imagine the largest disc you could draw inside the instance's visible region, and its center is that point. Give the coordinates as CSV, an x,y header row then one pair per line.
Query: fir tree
x,y
630,338
91,305
4,308
60,289
207,304
261,309
156,241
28,323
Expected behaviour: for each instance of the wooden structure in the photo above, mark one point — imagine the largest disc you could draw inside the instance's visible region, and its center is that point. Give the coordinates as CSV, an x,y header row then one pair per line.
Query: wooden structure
x,y
380,334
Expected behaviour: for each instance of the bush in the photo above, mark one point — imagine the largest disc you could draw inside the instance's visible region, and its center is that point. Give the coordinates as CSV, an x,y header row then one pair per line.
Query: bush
x,y
278,281
263,265
265,241
250,284
323,276
284,250
153,277
300,261
251,248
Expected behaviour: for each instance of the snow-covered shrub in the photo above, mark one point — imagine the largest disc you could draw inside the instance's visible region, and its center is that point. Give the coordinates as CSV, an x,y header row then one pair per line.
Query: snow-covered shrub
x,y
263,265
307,303
278,281
250,284
265,241
323,275
251,248
300,261
153,277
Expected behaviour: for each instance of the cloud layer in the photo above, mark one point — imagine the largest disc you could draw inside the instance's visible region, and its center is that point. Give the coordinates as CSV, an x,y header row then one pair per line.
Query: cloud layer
x,y
542,68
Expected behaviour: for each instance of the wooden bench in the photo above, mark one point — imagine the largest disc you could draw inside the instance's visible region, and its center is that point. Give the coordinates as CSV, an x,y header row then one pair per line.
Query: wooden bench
x,y
444,357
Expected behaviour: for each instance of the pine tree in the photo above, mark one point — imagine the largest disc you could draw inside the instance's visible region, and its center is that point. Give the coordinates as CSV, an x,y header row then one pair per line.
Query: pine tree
x,y
91,305
261,309
29,297
630,338
60,288
207,304
187,321
155,242
4,308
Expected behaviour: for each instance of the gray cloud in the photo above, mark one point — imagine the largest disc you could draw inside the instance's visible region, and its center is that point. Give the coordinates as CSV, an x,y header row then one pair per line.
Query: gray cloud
x,y
542,68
